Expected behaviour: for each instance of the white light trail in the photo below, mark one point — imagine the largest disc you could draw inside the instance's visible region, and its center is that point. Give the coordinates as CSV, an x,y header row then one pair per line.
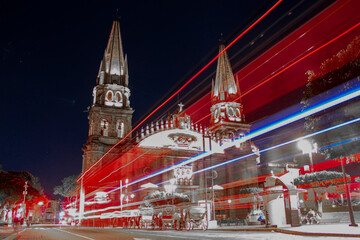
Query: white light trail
x,y
351,94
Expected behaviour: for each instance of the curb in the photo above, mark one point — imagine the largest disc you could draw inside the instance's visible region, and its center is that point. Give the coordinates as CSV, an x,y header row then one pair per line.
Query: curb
x,y
292,232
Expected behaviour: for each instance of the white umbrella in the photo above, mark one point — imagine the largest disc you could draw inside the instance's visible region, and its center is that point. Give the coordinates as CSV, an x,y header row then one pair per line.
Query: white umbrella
x,y
149,185
217,187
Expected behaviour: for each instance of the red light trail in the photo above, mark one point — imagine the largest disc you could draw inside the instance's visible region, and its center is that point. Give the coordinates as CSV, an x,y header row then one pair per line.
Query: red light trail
x,y
181,88
286,68
297,61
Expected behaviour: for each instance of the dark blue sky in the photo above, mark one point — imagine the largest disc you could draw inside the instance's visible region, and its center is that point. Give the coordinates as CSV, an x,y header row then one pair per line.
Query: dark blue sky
x,y
50,55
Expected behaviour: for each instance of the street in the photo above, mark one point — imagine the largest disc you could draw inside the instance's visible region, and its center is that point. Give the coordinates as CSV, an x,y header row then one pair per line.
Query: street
x,y
60,233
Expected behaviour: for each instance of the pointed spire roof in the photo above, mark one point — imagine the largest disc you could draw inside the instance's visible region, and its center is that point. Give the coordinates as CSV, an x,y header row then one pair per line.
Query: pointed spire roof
x,y
114,63
225,88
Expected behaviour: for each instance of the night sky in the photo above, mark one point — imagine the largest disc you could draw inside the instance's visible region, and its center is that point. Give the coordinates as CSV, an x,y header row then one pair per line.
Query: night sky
x,y
50,56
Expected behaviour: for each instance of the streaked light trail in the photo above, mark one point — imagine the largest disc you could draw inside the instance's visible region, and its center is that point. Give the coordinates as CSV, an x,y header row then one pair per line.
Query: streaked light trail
x,y
242,157
181,88
351,94
284,69
297,61
283,144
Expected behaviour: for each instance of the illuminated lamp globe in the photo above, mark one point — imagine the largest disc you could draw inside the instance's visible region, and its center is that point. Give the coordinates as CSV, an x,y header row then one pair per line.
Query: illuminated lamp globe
x,y
305,146
40,203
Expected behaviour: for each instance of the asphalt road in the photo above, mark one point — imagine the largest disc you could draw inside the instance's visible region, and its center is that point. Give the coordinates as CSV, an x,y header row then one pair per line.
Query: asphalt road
x,y
57,233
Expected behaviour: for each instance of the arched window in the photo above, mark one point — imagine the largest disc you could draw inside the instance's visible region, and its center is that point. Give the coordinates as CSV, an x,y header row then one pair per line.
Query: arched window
x,y
104,128
109,96
118,99
120,129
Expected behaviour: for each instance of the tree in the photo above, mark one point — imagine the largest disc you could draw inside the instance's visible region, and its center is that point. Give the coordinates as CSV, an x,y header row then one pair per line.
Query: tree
x,y
12,187
68,185
334,71
323,188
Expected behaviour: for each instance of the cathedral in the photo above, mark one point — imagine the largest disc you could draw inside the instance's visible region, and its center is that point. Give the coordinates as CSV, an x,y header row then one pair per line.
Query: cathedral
x,y
164,150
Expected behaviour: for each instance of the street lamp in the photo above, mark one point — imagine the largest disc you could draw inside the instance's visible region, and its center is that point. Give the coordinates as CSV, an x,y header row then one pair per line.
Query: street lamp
x,y
214,188
348,196
170,188
229,202
121,194
306,147
24,204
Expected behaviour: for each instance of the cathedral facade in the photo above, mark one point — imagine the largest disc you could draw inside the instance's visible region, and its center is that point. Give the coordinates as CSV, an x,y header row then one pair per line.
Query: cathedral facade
x,y
164,150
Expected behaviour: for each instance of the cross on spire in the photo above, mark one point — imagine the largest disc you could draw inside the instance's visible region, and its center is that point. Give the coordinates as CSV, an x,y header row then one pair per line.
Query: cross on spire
x,y
221,39
117,17
180,107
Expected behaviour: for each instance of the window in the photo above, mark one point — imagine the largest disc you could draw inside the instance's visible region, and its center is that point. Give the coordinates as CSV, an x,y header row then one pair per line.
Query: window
x,y
109,96
104,128
120,128
118,97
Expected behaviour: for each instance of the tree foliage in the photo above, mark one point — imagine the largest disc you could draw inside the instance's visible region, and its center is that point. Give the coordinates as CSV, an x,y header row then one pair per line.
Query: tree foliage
x,y
12,187
332,66
317,177
250,190
68,185
334,71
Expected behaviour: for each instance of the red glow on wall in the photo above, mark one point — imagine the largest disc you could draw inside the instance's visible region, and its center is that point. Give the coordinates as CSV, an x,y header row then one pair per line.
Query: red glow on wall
x,y
282,68
187,83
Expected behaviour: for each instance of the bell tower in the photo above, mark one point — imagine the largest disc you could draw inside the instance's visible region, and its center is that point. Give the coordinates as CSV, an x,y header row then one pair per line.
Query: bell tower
x,y
227,117
110,114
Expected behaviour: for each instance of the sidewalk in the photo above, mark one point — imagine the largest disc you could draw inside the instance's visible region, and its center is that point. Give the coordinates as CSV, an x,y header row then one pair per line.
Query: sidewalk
x,y
324,230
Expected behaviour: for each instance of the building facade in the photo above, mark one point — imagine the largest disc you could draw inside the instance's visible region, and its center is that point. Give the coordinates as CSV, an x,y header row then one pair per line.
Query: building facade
x,y
165,151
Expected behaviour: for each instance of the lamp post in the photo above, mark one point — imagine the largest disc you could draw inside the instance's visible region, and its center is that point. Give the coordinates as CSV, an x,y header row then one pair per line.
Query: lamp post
x,y
24,205
121,193
170,188
306,147
229,201
352,219
121,207
215,188
206,135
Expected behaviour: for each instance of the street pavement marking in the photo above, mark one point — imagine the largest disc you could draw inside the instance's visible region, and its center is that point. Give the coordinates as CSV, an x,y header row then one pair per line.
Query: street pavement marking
x,y
12,236
74,234
160,235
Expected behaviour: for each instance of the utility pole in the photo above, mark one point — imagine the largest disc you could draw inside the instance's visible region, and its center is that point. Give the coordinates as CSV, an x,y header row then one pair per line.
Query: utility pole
x,y
212,214
24,205
121,205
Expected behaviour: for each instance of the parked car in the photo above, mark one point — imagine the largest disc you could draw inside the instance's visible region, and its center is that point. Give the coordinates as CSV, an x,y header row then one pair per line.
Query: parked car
x,y
255,217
